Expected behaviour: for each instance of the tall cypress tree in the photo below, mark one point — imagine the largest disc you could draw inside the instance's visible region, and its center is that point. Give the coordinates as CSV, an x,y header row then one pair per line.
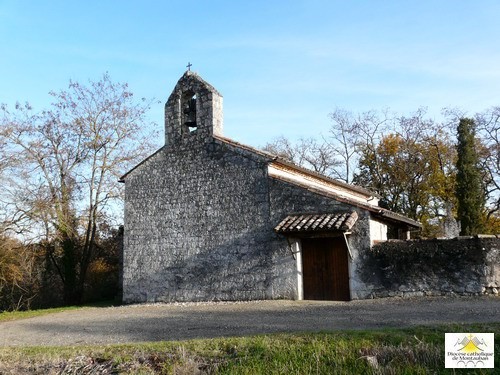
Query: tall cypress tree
x,y
469,189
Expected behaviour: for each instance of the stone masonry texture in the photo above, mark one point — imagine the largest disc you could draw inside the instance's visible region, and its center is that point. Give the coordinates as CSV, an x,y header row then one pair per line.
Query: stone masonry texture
x,y
200,213
200,216
459,266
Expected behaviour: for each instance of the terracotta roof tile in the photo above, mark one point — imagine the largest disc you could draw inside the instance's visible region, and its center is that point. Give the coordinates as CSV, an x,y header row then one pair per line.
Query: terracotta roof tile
x,y
339,221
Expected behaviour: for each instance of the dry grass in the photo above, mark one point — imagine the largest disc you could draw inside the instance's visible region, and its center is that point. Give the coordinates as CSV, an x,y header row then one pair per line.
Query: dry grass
x,y
388,360
378,352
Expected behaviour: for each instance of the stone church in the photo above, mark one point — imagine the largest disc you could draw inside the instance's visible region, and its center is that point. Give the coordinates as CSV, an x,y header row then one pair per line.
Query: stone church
x,y
210,219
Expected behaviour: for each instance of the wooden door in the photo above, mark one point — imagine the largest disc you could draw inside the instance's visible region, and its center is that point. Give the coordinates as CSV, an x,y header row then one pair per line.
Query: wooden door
x,y
325,269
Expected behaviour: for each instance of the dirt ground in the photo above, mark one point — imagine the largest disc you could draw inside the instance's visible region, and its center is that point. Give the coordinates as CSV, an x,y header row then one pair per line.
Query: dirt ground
x,y
138,323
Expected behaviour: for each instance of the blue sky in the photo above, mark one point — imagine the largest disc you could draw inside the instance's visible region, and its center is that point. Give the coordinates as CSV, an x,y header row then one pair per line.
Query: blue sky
x,y
281,66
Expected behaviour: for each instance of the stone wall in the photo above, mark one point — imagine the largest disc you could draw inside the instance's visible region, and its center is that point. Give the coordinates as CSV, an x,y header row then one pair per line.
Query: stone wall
x,y
200,213
460,266
209,114
197,227
288,199
197,212
199,221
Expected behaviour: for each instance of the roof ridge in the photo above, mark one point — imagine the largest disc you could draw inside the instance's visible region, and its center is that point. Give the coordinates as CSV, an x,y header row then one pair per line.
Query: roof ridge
x,y
292,165
383,212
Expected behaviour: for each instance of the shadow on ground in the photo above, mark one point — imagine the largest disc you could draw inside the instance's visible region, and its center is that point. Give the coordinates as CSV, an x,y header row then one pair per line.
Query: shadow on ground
x,y
179,322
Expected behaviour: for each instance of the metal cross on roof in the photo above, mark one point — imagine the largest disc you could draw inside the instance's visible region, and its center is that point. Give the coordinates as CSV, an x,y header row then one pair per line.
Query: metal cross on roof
x,y
189,65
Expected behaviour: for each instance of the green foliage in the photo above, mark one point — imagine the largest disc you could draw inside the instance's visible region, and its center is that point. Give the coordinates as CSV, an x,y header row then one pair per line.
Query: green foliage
x,y
414,177
411,162
17,315
469,188
7,316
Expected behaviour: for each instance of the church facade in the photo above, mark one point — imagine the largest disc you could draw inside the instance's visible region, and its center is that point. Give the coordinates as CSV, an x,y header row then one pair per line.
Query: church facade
x,y
208,219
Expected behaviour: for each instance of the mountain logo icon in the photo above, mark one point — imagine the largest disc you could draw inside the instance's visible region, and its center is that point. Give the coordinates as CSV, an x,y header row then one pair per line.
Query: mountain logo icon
x,y
470,344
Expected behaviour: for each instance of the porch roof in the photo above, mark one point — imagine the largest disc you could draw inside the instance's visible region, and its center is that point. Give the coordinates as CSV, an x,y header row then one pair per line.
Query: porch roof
x,y
338,221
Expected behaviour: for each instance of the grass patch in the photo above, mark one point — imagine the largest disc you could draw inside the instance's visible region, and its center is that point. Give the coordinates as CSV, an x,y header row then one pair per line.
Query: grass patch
x,y
6,316
417,350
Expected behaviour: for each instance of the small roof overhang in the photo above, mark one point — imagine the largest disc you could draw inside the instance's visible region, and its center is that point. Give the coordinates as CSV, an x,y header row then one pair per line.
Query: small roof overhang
x,y
330,222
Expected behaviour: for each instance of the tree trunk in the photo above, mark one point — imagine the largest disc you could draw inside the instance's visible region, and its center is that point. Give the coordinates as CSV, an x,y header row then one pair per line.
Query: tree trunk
x,y
72,294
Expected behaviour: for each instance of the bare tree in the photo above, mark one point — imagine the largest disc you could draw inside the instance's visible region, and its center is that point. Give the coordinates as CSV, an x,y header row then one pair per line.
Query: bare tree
x,y
343,140
488,128
307,152
64,181
350,133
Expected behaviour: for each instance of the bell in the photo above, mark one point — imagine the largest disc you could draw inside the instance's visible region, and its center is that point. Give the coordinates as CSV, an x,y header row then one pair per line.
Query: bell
x,y
190,112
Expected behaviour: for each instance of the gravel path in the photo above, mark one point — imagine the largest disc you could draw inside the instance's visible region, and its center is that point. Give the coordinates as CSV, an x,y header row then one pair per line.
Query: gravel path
x,y
157,322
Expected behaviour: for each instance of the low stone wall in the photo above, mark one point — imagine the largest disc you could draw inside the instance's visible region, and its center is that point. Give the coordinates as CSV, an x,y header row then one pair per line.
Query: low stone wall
x,y
459,266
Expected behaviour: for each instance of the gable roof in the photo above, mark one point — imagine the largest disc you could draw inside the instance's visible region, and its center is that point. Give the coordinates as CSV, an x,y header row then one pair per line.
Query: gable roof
x,y
376,211
122,178
295,167
275,160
